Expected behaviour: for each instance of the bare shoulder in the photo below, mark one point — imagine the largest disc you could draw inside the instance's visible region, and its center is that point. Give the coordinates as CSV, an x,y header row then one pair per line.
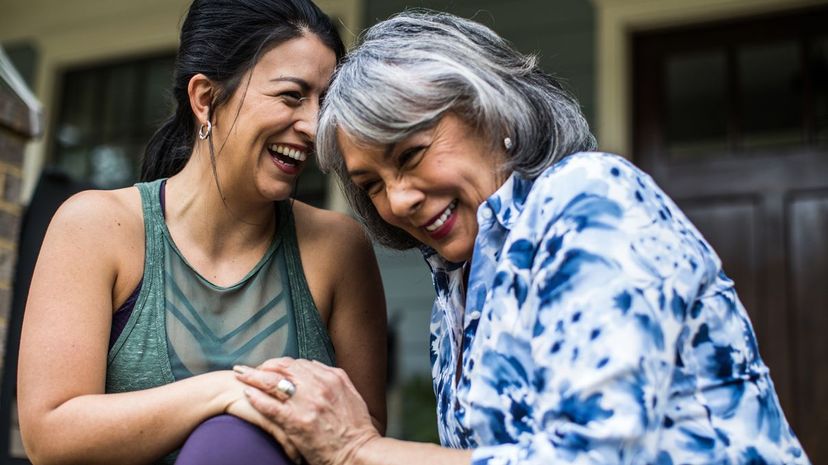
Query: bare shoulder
x,y
332,247
100,220
329,230
100,211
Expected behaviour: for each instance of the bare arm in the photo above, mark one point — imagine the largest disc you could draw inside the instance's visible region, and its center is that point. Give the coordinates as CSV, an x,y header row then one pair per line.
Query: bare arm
x,y
344,278
65,416
389,451
358,323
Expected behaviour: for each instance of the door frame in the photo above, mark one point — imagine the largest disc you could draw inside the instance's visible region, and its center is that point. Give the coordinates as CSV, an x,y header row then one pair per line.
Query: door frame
x,y
615,23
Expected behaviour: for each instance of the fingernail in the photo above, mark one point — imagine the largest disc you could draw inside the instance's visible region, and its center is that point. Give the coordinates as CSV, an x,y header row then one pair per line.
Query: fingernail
x,y
248,392
241,369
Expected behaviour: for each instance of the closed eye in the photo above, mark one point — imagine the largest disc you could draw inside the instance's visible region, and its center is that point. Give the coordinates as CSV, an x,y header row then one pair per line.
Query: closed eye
x,y
292,98
410,157
371,188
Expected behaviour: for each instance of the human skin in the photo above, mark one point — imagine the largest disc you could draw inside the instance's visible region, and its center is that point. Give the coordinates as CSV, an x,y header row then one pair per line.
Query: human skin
x,y
449,168
93,254
328,420
442,173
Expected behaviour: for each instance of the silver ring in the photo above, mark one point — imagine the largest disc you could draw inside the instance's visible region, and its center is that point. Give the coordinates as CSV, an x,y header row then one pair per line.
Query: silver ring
x,y
286,387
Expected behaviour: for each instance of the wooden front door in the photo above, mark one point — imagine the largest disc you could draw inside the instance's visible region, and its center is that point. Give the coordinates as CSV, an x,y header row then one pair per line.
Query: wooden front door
x,y
731,119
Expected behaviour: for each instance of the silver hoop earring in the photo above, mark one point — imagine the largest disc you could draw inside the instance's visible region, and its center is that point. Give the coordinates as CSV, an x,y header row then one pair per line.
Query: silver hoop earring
x,y
204,130
507,142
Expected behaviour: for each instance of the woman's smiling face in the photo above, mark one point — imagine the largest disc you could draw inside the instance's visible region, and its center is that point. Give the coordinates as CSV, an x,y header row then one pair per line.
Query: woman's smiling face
x,y
264,134
429,184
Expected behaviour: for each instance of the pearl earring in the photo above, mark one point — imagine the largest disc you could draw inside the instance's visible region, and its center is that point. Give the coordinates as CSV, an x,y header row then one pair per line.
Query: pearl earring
x,y
507,142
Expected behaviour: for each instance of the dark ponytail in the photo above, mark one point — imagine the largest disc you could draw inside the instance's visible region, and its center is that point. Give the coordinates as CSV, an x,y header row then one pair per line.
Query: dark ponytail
x,y
223,39
169,148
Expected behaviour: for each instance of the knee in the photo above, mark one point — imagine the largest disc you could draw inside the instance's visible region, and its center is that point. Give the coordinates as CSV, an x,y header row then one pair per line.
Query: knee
x,y
225,440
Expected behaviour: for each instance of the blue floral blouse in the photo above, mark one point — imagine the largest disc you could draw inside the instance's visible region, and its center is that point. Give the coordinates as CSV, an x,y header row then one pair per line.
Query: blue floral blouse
x,y
598,327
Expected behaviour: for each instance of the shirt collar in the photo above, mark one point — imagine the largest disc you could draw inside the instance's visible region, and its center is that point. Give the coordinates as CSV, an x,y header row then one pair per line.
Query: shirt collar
x,y
507,202
436,262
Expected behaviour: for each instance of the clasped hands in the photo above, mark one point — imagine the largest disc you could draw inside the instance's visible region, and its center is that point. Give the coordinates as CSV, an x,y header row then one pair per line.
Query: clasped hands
x,y
311,409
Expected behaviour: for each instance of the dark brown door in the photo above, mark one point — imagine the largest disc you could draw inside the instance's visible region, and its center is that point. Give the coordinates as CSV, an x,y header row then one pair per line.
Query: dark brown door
x,y
731,119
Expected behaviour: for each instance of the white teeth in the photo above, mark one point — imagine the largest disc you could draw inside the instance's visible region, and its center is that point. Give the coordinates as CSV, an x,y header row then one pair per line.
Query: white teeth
x,y
442,219
289,152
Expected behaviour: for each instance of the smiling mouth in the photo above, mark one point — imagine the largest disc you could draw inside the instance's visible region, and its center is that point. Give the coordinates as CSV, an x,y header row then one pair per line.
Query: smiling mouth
x,y
440,220
286,154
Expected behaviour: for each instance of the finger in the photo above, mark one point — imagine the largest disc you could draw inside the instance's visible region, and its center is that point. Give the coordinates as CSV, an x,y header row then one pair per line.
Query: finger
x,y
277,432
270,407
300,371
251,415
266,381
290,449
276,364
310,369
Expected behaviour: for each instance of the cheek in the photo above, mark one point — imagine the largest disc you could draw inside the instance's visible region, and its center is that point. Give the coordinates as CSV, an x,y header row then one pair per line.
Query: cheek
x,y
384,210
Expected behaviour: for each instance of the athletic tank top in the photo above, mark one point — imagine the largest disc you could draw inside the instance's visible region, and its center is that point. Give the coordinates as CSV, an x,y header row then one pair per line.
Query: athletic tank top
x,y
183,325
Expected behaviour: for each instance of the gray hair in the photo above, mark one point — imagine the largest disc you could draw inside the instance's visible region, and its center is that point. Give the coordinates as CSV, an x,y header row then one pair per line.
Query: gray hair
x,y
413,68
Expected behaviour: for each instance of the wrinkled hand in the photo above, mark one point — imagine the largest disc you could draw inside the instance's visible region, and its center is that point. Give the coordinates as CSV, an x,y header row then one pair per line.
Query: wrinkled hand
x,y
326,418
241,407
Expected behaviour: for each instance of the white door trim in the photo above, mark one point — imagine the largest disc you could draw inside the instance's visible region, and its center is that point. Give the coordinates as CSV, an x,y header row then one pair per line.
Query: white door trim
x,y
615,22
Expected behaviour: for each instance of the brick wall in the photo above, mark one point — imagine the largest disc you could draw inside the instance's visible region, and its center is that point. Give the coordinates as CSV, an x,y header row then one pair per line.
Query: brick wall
x,y
15,131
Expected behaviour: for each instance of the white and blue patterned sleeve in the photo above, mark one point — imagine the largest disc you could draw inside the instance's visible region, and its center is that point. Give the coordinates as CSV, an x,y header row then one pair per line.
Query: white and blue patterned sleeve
x,y
589,303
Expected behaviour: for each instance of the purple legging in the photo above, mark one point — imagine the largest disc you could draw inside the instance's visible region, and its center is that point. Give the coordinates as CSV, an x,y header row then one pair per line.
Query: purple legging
x,y
229,440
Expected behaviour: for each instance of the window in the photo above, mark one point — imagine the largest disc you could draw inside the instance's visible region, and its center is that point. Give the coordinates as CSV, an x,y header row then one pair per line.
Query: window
x,y
106,115
735,90
696,108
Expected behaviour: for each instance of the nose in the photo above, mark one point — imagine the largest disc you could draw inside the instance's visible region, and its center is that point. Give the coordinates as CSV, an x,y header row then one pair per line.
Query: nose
x,y
403,200
306,118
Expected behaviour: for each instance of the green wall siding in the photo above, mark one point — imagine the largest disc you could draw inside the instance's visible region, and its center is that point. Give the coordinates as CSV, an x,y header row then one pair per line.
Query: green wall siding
x,y
409,295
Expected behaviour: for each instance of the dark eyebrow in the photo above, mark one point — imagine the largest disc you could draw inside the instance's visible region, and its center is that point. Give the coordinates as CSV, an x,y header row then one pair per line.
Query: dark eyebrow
x,y
385,154
301,82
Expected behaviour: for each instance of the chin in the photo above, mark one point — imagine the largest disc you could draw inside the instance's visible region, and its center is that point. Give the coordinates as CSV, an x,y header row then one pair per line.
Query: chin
x,y
455,254
276,191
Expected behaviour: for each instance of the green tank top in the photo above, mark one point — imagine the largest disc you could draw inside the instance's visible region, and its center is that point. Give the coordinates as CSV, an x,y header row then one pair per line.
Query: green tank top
x,y
183,325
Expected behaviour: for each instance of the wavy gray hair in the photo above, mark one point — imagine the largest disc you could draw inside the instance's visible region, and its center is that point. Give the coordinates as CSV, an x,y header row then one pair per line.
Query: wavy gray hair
x,y
413,68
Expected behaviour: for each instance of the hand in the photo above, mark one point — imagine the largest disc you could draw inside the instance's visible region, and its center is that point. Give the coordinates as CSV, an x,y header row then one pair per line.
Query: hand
x,y
243,409
325,418
240,407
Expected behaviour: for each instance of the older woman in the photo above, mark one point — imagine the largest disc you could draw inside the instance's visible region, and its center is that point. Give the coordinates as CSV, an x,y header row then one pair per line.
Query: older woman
x,y
579,317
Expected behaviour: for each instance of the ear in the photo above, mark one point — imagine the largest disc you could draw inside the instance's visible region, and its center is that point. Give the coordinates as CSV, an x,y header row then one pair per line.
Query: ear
x,y
200,90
